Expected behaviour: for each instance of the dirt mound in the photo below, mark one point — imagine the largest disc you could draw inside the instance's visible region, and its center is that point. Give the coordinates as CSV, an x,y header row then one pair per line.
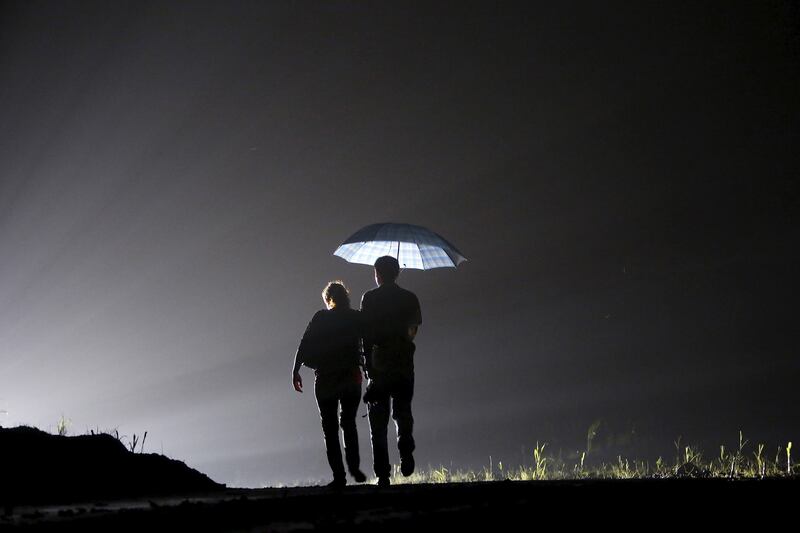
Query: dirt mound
x,y
43,468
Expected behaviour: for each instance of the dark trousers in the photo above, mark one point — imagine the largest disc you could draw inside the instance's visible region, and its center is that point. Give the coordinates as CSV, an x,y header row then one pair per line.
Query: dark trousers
x,y
392,396
330,394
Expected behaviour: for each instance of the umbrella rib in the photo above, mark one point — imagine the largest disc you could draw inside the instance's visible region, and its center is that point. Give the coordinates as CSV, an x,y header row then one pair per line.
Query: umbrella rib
x,y
358,250
416,243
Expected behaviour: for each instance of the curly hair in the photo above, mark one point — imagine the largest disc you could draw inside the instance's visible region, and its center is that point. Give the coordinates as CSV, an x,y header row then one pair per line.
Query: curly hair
x,y
335,294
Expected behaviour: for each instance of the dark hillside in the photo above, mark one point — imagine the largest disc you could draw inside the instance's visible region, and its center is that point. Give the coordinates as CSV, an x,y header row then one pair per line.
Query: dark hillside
x,y
41,468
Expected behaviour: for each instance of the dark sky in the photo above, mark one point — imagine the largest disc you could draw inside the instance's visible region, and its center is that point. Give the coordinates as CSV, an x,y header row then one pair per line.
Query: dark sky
x,y
174,177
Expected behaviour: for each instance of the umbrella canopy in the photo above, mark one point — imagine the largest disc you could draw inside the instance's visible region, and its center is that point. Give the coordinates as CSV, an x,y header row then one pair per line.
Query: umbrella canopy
x,y
412,246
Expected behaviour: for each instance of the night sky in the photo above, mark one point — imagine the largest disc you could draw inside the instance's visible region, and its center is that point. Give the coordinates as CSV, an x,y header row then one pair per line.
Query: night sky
x,y
174,177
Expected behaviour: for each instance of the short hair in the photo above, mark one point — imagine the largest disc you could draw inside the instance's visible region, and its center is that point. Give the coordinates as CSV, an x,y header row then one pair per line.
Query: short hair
x,y
336,292
388,267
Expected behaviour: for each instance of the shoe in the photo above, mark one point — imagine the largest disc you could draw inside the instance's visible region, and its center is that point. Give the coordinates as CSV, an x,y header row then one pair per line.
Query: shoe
x,y
407,465
337,483
358,475
383,482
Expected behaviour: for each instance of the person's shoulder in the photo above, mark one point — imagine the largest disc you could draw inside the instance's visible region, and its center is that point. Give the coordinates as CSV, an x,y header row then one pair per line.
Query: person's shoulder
x,y
407,293
369,294
411,300
316,321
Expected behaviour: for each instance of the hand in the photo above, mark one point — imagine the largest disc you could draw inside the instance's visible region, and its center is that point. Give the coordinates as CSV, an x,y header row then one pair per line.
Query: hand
x,y
297,382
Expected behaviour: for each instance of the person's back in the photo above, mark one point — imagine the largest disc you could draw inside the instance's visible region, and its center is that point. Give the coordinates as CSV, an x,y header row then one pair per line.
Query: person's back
x,y
391,314
334,338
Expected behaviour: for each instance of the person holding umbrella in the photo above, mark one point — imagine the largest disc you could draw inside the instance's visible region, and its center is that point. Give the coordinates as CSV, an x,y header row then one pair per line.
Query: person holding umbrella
x,y
392,317
331,345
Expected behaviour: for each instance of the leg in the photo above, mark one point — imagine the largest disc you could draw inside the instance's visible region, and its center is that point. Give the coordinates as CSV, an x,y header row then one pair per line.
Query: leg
x,y
378,425
403,392
351,399
328,412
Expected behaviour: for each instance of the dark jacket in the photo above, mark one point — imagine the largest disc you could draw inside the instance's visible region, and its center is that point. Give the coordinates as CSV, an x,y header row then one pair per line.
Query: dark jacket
x,y
389,311
332,342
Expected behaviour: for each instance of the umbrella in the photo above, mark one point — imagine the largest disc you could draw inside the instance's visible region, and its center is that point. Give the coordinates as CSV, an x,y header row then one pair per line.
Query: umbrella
x,y
412,246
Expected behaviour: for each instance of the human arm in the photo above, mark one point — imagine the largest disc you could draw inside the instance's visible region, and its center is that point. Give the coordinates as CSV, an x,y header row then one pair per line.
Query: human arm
x,y
366,335
416,320
302,353
297,380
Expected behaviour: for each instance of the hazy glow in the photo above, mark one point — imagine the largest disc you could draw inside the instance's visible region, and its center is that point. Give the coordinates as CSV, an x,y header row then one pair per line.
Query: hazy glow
x,y
173,182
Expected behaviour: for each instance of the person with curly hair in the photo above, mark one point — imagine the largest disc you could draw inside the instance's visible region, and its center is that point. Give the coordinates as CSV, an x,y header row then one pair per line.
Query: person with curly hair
x,y
331,346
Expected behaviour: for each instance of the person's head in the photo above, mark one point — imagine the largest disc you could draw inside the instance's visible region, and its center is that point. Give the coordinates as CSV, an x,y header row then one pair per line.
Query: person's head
x,y
386,269
335,294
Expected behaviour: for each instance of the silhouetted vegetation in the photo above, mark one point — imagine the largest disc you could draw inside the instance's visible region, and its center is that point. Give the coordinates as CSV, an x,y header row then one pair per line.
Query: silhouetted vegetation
x,y
40,467
743,462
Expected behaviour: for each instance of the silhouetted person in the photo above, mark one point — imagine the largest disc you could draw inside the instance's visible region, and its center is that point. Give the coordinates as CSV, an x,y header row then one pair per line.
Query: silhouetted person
x,y
392,316
331,346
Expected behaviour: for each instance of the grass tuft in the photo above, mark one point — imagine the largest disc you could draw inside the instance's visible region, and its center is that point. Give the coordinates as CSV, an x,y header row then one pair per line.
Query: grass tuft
x,y
689,462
